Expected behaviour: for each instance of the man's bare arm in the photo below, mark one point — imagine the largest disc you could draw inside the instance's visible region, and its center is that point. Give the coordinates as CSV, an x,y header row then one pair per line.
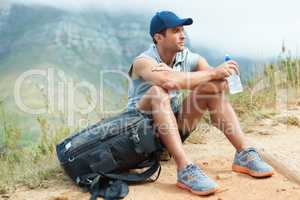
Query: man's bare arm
x,y
171,80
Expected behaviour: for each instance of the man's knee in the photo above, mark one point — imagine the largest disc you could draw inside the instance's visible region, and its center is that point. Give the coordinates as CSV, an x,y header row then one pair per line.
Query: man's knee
x,y
159,95
154,97
212,87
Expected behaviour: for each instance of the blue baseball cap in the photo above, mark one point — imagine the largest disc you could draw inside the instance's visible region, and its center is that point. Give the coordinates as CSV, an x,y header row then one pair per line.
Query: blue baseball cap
x,y
167,19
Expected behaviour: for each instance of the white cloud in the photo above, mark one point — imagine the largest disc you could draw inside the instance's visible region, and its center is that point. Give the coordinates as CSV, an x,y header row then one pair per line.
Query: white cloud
x,y
239,27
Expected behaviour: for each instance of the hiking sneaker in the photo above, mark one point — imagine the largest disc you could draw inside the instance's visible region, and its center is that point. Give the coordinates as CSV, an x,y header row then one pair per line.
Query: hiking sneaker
x,y
193,179
249,162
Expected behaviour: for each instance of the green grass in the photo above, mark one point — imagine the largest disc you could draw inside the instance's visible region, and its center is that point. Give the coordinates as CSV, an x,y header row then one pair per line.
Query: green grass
x,y
27,165
263,91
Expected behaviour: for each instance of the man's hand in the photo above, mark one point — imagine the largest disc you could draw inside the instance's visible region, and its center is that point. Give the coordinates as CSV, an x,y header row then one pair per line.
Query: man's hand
x,y
225,70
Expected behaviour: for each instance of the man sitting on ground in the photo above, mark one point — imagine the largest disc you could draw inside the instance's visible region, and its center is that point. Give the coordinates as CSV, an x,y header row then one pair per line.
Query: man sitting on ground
x,y
157,76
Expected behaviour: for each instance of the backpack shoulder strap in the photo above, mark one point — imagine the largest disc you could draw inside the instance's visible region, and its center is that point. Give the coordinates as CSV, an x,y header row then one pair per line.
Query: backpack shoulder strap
x,y
135,176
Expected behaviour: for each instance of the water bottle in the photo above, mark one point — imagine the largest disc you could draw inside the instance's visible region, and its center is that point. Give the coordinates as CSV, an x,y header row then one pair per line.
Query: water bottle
x,y
234,81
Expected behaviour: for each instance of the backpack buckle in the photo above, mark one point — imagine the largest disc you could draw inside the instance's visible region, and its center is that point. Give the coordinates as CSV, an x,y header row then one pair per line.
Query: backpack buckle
x,y
135,138
71,159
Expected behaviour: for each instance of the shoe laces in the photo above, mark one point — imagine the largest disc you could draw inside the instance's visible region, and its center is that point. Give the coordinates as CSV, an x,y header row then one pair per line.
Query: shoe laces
x,y
195,171
252,153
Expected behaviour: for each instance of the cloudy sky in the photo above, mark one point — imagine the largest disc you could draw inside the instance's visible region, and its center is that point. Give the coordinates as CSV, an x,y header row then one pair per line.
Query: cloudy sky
x,y
251,28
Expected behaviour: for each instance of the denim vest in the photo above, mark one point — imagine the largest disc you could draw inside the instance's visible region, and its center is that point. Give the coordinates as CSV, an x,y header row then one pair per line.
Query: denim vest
x,y
185,61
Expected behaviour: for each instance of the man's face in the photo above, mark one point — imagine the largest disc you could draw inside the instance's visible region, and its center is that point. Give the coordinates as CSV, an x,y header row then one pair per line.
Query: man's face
x,y
173,39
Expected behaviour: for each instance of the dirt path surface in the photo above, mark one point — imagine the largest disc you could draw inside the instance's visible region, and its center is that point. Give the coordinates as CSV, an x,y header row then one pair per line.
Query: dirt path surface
x,y
214,155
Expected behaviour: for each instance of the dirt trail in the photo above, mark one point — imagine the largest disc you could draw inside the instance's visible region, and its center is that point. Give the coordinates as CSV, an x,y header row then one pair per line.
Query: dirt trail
x,y
215,156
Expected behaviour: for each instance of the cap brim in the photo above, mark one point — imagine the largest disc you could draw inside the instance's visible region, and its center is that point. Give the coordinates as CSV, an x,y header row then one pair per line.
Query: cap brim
x,y
182,22
186,21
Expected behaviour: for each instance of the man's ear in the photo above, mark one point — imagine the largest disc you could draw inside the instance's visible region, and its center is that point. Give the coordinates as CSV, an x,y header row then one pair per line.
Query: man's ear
x,y
157,37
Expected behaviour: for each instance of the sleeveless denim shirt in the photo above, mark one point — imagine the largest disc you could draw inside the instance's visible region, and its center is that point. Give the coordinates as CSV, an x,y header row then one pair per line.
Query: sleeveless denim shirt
x,y
185,61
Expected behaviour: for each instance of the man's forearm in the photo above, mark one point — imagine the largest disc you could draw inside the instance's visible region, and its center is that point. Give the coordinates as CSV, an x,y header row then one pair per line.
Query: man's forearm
x,y
186,80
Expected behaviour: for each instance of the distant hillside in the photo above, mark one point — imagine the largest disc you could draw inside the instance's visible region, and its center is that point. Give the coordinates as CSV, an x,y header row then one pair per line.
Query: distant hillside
x,y
80,43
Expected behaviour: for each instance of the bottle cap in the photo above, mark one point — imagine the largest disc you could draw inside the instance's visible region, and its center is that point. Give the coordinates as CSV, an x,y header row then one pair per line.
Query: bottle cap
x,y
227,57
